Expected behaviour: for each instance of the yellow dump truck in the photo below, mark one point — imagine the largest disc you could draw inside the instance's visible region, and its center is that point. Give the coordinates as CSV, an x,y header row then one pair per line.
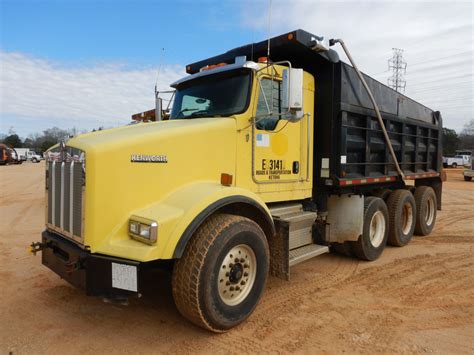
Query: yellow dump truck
x,y
263,162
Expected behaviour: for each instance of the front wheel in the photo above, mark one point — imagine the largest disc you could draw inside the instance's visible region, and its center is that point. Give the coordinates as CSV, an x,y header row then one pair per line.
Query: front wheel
x,y
454,165
34,160
371,243
467,178
221,276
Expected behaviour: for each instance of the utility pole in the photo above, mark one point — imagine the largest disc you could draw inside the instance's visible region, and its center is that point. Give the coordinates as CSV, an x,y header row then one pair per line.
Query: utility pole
x,y
398,66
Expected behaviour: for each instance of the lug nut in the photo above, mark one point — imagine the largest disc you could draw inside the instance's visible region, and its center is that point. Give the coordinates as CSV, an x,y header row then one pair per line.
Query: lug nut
x,y
236,260
242,283
246,274
227,283
242,260
232,288
227,274
237,288
230,265
246,266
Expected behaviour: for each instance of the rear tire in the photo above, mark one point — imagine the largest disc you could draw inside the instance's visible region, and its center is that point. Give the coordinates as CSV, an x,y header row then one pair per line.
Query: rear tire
x,y
425,199
34,160
454,165
402,214
221,276
467,178
371,243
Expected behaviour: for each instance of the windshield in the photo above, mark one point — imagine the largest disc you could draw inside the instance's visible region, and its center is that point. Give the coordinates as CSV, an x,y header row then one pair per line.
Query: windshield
x,y
222,94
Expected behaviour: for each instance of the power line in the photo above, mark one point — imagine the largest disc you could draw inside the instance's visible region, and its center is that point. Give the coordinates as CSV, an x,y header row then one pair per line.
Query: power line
x,y
399,67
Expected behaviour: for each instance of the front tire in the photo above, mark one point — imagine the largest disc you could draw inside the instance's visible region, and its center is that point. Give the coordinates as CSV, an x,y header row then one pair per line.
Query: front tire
x,y
454,165
425,199
34,160
371,243
467,178
220,278
402,214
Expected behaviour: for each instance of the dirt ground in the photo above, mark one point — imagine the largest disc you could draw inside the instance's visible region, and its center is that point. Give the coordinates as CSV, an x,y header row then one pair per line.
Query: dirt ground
x,y
419,298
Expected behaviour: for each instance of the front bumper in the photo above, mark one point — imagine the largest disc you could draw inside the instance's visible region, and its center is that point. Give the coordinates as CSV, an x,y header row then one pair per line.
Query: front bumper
x,y
97,275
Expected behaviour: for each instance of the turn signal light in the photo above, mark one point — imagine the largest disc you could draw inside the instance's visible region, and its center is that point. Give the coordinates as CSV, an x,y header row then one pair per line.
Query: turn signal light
x,y
226,179
263,60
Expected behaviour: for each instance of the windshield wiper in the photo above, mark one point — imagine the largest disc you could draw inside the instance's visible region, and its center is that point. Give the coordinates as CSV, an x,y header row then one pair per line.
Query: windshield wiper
x,y
185,110
202,114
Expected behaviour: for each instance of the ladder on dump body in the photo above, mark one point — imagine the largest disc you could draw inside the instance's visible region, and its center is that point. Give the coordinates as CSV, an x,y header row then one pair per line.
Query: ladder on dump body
x,y
294,236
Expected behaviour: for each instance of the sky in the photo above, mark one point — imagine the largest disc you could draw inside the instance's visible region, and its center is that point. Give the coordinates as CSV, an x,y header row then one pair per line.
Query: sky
x,y
85,64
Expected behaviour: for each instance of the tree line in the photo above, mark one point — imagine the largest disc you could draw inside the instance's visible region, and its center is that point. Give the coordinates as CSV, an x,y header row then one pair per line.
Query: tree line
x,y
40,142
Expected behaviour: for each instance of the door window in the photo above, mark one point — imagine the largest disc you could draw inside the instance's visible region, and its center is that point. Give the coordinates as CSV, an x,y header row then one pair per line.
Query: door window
x,y
269,104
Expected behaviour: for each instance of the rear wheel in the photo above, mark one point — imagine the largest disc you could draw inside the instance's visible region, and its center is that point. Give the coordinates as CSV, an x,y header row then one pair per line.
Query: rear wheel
x,y
34,160
221,276
467,178
371,243
402,214
454,165
425,200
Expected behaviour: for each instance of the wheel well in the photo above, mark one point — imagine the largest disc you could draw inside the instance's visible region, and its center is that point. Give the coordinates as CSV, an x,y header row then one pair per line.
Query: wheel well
x,y
236,205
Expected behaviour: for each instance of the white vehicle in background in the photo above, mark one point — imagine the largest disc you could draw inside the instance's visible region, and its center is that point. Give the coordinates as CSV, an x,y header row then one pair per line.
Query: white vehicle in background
x,y
34,157
28,154
454,162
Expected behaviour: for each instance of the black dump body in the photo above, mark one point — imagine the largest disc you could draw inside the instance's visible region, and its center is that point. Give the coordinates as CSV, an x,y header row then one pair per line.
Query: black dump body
x,y
350,148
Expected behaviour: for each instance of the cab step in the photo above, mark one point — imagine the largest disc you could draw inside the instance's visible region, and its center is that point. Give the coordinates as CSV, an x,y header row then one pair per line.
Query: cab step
x,y
293,242
301,254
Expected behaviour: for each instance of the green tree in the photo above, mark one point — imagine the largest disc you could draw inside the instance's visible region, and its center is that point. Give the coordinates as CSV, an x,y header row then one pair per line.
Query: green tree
x,y
450,141
13,140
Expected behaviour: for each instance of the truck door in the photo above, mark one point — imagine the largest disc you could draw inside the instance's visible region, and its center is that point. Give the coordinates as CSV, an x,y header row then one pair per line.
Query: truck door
x,y
278,153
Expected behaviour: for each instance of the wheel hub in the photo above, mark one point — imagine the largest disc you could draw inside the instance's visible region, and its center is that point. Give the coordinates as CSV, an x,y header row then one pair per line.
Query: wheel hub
x,y
237,274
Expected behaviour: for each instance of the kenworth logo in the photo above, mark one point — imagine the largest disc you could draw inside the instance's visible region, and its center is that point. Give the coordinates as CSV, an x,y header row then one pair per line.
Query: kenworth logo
x,y
142,158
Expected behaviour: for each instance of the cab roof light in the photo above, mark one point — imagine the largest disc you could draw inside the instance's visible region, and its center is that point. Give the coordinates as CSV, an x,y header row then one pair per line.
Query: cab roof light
x,y
212,66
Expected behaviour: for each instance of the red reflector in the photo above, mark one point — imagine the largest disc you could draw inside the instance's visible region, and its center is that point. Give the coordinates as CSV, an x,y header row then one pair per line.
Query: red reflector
x,y
263,60
226,179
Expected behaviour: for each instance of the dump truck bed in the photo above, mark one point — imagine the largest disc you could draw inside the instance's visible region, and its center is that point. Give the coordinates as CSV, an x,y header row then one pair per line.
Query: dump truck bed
x,y
349,146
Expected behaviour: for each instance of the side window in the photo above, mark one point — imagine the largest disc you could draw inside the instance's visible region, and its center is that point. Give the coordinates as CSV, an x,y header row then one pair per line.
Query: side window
x,y
269,104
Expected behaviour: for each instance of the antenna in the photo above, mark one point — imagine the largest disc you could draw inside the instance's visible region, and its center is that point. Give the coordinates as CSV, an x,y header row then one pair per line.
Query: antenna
x,y
269,28
160,63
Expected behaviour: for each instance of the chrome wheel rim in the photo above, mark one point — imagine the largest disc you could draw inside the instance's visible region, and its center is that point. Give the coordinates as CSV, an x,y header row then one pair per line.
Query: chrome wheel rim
x,y
407,218
429,212
237,275
377,229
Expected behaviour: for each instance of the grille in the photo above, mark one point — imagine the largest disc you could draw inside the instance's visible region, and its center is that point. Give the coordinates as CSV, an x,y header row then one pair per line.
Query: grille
x,y
65,184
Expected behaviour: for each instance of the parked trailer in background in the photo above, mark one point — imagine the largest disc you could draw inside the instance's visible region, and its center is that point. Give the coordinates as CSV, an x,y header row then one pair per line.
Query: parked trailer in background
x,y
261,165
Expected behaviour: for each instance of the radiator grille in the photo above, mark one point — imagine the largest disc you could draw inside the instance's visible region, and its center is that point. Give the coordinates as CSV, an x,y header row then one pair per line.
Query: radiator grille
x,y
65,184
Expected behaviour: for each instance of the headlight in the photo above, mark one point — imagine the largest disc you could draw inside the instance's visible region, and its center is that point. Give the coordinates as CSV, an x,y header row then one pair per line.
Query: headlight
x,y
143,229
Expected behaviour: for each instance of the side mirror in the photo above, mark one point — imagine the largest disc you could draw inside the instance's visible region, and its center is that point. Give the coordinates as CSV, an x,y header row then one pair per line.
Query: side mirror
x,y
292,92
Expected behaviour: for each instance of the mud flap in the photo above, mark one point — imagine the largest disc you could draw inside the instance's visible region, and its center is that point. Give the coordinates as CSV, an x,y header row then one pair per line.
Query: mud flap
x,y
279,245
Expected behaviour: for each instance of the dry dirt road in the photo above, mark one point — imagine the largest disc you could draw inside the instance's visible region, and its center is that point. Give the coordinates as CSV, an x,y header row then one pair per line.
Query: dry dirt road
x,y
419,298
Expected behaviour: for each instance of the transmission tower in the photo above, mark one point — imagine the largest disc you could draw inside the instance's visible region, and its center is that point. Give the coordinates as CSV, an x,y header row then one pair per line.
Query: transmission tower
x,y
398,66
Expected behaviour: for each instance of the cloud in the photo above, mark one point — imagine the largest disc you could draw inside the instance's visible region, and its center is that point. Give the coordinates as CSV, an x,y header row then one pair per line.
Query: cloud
x,y
437,38
42,93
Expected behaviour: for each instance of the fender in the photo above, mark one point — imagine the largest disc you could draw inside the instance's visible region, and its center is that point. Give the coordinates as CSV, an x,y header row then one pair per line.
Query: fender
x,y
179,214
